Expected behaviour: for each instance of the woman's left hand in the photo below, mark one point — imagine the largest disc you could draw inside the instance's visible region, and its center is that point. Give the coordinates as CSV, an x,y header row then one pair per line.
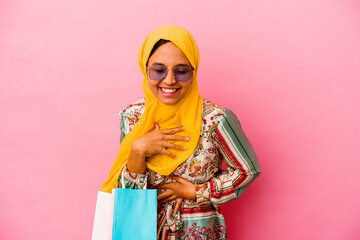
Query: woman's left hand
x,y
179,189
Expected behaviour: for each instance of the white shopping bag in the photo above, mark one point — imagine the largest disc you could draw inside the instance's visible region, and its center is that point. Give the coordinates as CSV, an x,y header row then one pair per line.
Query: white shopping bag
x,y
103,222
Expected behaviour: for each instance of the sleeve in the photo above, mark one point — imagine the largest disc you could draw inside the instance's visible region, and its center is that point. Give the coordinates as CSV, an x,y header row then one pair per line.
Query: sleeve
x,y
242,164
131,180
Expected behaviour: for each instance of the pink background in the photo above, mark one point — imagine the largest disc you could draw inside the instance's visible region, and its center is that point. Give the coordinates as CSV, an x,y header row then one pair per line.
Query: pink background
x,y
289,69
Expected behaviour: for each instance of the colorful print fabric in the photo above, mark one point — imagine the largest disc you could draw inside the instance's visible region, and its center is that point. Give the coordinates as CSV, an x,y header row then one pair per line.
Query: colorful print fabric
x,y
221,140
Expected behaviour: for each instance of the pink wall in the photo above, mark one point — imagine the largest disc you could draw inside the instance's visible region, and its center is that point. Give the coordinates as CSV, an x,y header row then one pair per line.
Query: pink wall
x,y
289,69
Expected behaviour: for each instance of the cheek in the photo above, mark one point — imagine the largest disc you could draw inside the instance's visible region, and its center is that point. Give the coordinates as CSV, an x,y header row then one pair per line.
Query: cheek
x,y
152,84
186,87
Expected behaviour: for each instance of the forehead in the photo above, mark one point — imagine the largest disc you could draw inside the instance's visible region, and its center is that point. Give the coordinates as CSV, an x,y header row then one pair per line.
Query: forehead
x,y
170,55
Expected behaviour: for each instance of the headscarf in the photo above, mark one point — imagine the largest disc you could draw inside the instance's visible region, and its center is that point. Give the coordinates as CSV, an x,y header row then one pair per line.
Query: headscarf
x,y
187,112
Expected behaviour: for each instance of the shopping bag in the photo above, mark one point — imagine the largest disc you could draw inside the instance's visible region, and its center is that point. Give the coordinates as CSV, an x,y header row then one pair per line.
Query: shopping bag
x,y
103,221
135,214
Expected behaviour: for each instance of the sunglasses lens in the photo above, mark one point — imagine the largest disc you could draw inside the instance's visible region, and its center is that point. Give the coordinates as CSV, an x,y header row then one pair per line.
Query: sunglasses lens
x,y
183,73
157,73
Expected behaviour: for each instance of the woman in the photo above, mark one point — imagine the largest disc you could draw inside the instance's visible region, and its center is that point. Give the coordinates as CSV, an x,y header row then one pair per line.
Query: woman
x,y
176,141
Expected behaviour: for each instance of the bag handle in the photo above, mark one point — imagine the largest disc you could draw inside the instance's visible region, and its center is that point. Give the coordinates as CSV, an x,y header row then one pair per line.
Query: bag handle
x,y
122,180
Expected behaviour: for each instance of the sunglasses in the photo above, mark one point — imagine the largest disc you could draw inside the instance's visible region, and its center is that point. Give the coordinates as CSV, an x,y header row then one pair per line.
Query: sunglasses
x,y
181,73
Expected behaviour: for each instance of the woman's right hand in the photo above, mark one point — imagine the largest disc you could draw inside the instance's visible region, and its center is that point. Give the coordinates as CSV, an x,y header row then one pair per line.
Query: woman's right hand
x,y
152,143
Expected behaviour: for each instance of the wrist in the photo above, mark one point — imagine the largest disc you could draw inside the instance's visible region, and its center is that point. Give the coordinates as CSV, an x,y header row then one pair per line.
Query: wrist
x,y
137,150
136,162
193,192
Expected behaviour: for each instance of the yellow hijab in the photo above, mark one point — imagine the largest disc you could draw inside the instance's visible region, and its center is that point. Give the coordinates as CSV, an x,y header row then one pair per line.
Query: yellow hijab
x,y
186,113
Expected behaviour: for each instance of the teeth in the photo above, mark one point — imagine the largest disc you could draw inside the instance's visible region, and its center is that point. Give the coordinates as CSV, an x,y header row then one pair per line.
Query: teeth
x,y
167,90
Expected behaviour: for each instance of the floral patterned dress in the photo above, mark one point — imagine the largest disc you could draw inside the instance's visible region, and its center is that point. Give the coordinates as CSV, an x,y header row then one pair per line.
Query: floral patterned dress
x,y
221,140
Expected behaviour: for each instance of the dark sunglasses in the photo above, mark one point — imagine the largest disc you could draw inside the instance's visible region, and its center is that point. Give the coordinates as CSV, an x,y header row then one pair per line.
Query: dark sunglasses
x,y
181,73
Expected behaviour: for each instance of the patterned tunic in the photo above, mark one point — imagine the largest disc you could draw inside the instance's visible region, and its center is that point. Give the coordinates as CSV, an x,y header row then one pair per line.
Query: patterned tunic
x,y
221,140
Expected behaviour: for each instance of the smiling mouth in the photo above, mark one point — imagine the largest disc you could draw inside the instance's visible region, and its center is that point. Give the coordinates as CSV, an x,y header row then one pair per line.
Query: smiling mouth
x,y
169,91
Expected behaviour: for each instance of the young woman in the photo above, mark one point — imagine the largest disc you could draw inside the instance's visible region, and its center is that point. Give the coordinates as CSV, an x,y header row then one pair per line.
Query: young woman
x,y
176,141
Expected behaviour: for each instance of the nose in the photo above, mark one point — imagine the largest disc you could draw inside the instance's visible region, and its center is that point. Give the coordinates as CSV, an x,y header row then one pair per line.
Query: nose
x,y
170,77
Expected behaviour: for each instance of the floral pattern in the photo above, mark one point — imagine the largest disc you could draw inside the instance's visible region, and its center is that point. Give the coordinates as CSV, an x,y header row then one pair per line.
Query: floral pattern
x,y
198,232
200,218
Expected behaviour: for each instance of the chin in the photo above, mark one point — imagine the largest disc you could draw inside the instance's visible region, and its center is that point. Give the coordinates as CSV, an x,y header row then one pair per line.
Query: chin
x,y
169,102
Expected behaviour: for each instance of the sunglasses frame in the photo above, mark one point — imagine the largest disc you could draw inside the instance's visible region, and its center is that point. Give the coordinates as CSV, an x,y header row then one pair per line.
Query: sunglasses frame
x,y
167,71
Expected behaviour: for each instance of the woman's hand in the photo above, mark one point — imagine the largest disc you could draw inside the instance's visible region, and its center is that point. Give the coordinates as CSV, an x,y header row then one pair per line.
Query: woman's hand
x,y
179,189
154,142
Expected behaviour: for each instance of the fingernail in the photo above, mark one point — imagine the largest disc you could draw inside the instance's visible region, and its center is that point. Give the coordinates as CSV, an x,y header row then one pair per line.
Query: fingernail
x,y
184,148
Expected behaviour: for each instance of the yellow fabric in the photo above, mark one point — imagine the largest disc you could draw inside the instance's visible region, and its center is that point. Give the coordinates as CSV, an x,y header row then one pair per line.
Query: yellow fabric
x,y
186,113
